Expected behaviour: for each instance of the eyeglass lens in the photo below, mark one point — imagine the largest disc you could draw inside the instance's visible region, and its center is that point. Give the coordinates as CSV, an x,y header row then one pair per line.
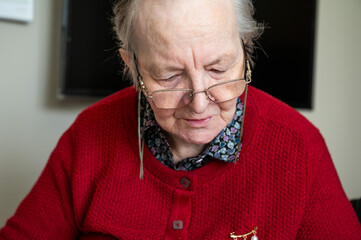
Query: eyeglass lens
x,y
171,99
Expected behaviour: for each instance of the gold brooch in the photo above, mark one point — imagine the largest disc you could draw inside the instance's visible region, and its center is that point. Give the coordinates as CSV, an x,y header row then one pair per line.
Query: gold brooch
x,y
244,236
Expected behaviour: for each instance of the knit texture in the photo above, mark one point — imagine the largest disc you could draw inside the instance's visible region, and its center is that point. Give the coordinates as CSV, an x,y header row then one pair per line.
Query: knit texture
x,y
284,182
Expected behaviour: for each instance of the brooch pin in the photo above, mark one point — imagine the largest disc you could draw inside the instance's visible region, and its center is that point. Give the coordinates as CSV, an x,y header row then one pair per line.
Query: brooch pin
x,y
244,236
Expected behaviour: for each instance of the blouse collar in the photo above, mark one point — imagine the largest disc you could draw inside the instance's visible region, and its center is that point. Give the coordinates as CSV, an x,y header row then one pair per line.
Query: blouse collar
x,y
222,147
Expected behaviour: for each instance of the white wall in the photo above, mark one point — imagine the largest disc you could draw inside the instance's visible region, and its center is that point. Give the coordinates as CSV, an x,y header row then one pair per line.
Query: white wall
x,y
32,119
337,94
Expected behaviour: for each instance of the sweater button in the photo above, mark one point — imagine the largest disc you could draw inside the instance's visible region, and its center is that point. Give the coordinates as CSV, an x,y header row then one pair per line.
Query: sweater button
x,y
185,182
178,224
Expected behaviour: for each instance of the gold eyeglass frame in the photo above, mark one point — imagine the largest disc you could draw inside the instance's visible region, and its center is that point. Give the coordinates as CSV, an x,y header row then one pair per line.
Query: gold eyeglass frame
x,y
190,91
247,78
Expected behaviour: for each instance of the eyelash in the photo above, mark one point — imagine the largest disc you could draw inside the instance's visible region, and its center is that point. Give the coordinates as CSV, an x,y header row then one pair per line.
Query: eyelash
x,y
170,78
173,77
218,71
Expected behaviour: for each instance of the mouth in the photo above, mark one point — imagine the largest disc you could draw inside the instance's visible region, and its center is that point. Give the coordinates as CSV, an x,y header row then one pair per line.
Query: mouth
x,y
198,123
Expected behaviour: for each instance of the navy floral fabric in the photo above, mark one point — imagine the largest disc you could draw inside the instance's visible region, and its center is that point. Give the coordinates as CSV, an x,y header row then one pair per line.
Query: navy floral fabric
x,y
223,147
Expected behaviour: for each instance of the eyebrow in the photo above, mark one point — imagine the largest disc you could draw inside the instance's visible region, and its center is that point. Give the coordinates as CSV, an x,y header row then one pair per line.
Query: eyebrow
x,y
158,69
224,58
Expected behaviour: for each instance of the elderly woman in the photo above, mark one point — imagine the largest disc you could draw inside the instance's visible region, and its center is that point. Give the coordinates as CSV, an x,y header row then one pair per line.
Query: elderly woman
x,y
212,169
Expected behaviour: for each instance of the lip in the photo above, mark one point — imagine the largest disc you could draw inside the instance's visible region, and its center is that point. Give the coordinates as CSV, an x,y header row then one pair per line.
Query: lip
x,y
198,123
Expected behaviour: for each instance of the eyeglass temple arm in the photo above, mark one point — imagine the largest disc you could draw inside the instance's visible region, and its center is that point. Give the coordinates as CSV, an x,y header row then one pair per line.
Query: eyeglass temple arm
x,y
248,71
139,77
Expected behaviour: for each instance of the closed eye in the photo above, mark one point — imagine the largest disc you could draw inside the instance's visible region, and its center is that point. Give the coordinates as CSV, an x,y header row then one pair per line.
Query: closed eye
x,y
171,78
218,71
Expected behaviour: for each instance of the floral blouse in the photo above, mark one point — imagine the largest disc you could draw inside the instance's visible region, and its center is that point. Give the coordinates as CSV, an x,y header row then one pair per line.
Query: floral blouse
x,y
223,147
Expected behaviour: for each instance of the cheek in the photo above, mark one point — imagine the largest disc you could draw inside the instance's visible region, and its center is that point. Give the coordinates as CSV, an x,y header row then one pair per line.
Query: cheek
x,y
165,118
227,110
227,106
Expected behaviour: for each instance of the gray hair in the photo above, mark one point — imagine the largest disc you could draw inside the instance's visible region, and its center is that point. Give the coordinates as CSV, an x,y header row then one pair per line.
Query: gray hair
x,y
125,11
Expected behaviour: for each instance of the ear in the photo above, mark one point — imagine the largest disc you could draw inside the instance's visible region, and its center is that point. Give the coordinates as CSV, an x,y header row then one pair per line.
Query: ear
x,y
126,56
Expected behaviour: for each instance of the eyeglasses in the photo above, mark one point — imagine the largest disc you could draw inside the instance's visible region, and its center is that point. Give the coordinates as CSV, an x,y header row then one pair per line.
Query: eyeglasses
x,y
180,97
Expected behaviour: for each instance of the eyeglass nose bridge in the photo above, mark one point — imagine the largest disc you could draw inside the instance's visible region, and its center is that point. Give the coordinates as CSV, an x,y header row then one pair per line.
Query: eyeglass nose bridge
x,y
205,91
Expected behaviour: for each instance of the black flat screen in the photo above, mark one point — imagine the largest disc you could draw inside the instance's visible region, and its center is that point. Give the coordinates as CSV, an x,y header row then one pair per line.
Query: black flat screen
x,y
284,54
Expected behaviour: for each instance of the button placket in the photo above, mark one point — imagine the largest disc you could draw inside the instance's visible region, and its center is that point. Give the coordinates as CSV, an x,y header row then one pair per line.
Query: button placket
x,y
179,220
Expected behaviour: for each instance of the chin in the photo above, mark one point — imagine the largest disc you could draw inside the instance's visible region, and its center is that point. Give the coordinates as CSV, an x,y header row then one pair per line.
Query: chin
x,y
199,137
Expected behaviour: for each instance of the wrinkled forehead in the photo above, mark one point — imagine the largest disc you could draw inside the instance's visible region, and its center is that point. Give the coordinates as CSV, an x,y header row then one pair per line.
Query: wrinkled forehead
x,y
176,19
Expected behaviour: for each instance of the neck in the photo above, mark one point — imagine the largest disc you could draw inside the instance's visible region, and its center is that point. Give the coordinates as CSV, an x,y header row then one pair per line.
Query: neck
x,y
182,149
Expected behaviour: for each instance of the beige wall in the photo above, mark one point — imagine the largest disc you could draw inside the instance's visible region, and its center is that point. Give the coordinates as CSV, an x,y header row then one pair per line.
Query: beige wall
x,y
32,118
337,93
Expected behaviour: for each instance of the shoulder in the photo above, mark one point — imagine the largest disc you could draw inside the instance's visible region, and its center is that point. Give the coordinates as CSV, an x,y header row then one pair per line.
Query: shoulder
x,y
102,132
108,121
285,137
271,110
116,102
283,127
109,110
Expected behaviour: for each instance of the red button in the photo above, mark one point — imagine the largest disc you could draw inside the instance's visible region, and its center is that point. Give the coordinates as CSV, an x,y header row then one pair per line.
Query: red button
x,y
185,182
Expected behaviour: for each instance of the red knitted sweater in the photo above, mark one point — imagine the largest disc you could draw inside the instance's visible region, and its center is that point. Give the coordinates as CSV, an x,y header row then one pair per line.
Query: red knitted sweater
x,y
284,183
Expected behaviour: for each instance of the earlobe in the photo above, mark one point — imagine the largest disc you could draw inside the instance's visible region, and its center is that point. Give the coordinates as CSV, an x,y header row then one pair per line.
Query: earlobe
x,y
126,56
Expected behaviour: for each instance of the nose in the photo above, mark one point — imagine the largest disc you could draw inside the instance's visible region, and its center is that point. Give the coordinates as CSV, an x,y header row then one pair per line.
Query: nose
x,y
200,101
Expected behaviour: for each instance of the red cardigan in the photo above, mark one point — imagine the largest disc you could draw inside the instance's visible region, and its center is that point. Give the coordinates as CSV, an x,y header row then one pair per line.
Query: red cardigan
x,y
284,183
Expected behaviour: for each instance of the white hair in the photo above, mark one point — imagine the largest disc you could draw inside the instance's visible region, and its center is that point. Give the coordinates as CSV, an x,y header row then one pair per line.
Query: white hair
x,y
125,13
